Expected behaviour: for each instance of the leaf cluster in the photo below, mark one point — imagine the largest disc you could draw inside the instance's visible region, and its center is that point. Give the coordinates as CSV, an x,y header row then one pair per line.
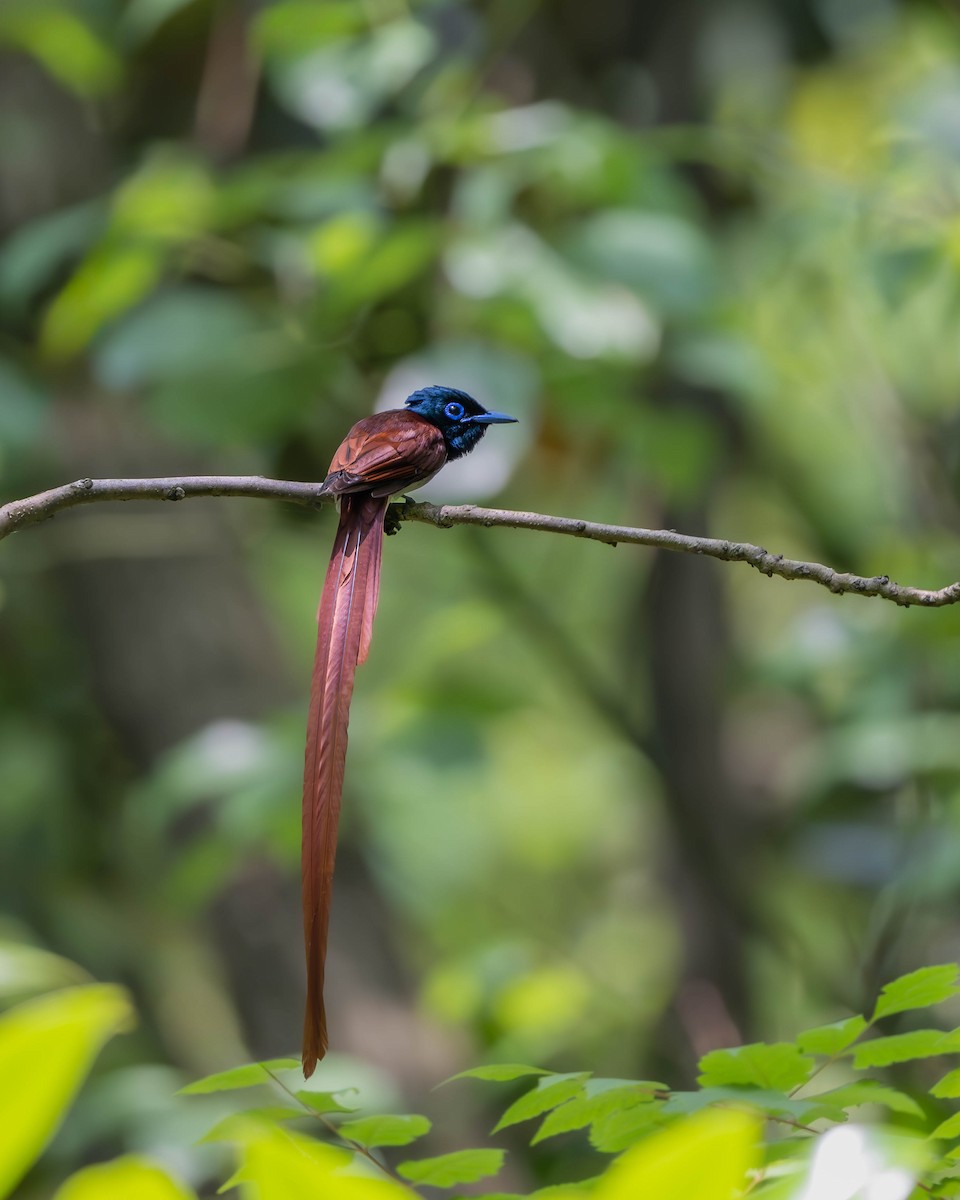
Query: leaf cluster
x,y
761,1112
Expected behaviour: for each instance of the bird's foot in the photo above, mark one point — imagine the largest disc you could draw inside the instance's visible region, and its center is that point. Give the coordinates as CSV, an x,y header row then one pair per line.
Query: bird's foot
x,y
395,516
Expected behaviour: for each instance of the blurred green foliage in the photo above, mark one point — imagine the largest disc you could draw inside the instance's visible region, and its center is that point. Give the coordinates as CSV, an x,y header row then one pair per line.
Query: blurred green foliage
x,y
745,1130
604,810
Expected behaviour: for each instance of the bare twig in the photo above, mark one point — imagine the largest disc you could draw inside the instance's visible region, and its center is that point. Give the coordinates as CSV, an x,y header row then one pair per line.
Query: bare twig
x,y
20,513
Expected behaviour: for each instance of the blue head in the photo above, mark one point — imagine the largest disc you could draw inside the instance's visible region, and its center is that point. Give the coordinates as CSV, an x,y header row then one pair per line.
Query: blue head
x,y
459,417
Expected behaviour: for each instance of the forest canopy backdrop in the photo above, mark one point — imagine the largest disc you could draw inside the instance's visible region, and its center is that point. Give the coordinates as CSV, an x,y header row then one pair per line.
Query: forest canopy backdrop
x,y
609,813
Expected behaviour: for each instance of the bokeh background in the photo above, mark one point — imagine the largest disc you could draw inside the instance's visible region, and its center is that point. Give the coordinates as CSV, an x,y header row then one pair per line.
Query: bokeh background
x,y
604,809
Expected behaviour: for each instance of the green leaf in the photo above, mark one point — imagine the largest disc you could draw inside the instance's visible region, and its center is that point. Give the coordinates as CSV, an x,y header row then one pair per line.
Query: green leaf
x,y
328,1102
549,1093
235,1126
564,1191
403,254
170,199
498,1073
779,1065
904,1047
706,1157
584,1110
950,1128
448,1170
281,1165
46,1049
772,1103
250,1075
106,284
294,27
385,1131
123,1179
41,249
869,1091
27,969
831,1039
948,1088
919,989
622,1129
67,48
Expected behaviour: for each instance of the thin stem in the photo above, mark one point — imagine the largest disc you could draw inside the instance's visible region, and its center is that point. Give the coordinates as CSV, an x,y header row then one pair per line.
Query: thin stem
x,y
18,514
325,1121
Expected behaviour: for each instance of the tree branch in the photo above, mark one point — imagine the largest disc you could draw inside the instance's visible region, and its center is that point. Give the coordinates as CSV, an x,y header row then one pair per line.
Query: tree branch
x,y
19,513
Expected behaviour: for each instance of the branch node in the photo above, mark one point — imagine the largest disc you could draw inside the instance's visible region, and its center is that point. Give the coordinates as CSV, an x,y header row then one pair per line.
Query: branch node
x,y
176,493
82,485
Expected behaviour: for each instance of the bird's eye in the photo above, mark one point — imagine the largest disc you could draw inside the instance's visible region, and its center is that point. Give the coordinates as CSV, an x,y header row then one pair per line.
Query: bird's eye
x,y
454,410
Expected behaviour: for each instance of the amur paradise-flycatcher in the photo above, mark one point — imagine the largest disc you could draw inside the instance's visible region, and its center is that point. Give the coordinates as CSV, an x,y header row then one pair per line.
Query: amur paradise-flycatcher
x,y
382,456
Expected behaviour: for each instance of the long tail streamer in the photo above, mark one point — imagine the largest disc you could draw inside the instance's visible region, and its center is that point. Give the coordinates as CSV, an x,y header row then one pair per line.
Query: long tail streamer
x,y
344,629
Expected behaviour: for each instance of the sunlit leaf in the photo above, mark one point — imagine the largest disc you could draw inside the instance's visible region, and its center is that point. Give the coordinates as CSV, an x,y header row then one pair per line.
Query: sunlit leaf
x,y
46,1049
833,123
619,1130
329,1102
779,1065
294,27
831,1039
499,1072
948,1088
337,246
385,1131
448,1170
950,1128
123,1179
904,1047
251,1075
584,1110
110,281
282,1165
235,1126
919,989
548,1094
394,261
706,1157
170,199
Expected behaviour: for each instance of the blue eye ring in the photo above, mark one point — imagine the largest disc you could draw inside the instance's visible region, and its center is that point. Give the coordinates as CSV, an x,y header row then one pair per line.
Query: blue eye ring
x,y
454,410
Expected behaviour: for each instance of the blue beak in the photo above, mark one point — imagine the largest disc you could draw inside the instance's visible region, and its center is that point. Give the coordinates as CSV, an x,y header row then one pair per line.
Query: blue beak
x,y
493,418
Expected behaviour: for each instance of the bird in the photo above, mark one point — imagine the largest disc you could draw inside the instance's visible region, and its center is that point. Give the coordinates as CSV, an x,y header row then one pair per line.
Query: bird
x,y
383,455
